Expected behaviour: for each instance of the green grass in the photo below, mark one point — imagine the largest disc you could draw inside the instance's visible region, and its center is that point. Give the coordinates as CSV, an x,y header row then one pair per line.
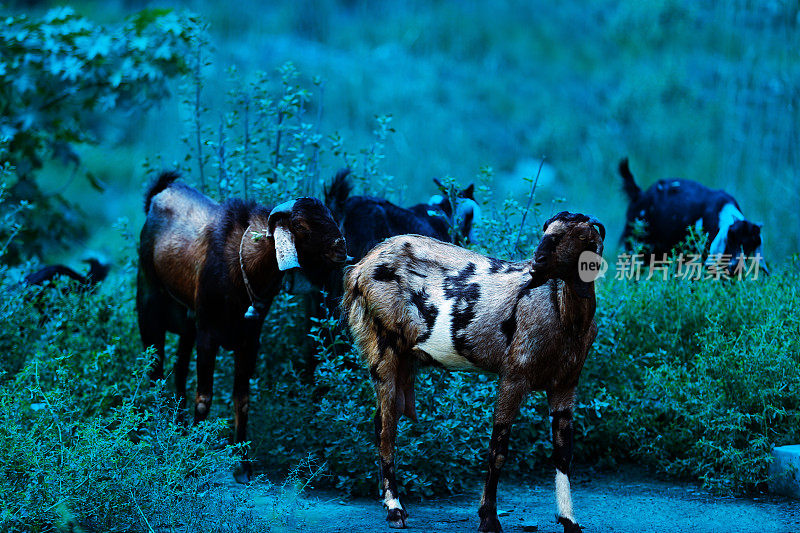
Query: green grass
x,y
694,380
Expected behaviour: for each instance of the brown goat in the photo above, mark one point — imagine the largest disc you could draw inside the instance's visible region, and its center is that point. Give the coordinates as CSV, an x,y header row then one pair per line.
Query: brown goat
x,y
209,272
414,301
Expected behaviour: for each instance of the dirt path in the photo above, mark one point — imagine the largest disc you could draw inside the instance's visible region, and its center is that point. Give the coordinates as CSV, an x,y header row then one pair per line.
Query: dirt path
x,y
625,503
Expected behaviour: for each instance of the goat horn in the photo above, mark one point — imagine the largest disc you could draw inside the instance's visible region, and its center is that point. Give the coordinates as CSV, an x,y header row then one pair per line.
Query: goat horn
x,y
600,227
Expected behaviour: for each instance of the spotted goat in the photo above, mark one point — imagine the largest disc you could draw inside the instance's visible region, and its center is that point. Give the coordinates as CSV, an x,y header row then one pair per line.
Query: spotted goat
x,y
415,301
210,271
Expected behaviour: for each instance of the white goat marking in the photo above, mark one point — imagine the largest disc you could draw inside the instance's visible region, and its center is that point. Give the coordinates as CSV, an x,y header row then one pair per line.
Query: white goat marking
x,y
563,496
391,503
439,345
727,216
436,199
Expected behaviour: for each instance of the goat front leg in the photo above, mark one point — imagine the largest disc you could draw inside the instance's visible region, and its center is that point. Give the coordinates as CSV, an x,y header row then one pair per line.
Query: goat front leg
x,y
510,394
562,403
244,366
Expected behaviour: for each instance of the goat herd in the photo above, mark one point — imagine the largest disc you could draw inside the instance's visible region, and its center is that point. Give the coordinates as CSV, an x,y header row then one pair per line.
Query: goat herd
x,y
210,271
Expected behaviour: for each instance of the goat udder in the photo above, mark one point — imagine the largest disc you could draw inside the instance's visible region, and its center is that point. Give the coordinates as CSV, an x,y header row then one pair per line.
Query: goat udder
x,y
404,402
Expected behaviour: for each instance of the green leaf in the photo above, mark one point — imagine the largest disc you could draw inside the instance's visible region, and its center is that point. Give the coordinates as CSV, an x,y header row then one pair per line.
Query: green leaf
x,y
146,17
100,47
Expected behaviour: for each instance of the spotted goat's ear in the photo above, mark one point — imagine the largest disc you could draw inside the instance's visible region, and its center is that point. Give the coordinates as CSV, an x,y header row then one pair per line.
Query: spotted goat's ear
x,y
285,249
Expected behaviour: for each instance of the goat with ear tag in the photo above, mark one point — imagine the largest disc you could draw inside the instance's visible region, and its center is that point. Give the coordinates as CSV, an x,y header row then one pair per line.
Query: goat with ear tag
x,y
205,274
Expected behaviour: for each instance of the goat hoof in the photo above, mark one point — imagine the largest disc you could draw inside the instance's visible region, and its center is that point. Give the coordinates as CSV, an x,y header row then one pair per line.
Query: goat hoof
x,y
243,472
490,524
569,525
397,518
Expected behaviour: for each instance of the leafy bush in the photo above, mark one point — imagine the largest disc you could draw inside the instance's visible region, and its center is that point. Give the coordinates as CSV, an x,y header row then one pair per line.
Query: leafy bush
x,y
702,378
86,442
61,77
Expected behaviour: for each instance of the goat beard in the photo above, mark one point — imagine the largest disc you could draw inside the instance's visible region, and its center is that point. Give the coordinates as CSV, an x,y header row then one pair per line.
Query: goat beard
x,y
584,289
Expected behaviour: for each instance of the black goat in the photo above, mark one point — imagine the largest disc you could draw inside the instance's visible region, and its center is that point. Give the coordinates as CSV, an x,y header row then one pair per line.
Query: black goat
x,y
97,273
367,220
209,272
670,207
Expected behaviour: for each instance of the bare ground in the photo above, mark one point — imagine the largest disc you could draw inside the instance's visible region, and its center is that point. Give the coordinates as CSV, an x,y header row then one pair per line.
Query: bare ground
x,y
623,503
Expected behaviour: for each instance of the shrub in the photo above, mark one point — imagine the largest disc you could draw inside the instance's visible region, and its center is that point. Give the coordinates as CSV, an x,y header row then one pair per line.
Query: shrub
x,y
62,73
702,378
86,442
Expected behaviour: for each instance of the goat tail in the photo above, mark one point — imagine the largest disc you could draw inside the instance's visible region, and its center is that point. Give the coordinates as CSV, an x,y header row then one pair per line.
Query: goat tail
x,y
163,181
629,185
337,193
352,291
355,308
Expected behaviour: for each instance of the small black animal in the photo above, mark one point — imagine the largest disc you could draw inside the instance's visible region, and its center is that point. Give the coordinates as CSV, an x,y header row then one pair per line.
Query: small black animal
x,y
97,273
669,207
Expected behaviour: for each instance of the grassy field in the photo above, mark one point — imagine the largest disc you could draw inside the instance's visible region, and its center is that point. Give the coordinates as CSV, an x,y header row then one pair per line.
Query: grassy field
x,y
695,380
700,90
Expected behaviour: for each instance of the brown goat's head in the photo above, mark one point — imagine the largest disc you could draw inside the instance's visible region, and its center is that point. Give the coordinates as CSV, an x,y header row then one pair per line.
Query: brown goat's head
x,y
306,236
566,237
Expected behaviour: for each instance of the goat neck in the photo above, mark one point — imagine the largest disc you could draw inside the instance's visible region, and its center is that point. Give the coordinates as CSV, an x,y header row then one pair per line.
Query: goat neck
x,y
258,260
572,309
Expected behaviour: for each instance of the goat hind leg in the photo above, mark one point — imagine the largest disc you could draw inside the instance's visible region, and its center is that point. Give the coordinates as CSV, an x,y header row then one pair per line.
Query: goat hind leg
x,y
153,334
184,355
387,412
561,405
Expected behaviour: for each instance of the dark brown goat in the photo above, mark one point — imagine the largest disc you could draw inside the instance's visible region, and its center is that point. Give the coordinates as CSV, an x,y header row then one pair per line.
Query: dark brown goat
x,y
209,272
413,301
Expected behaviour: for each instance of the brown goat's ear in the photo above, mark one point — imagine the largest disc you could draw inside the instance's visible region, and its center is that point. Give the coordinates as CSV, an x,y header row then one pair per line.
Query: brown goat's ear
x,y
285,249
